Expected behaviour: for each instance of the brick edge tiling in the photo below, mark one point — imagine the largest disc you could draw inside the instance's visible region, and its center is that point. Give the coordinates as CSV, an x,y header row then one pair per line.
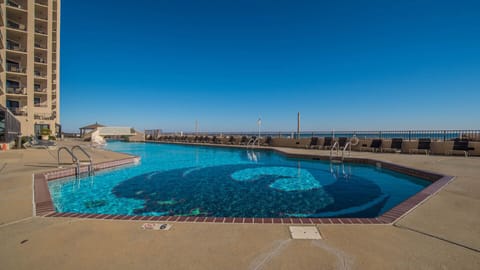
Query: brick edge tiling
x,y
44,205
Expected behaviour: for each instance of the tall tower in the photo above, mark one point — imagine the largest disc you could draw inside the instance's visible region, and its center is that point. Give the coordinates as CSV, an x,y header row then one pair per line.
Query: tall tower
x,y
30,63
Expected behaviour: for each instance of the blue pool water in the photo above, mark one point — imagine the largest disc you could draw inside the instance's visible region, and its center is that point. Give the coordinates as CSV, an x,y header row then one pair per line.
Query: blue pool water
x,y
226,182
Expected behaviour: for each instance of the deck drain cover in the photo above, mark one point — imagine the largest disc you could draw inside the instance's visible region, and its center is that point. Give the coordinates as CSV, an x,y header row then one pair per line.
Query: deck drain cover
x,y
156,226
304,232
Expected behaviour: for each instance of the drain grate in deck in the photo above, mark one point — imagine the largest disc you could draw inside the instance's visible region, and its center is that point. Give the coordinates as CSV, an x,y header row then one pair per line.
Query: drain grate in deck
x,y
304,232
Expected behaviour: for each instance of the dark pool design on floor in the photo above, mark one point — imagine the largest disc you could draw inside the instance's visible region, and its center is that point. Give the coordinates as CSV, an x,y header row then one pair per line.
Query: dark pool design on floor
x,y
184,180
196,192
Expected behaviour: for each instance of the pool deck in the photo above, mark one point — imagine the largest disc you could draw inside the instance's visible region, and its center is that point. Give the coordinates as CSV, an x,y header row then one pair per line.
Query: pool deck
x,y
441,233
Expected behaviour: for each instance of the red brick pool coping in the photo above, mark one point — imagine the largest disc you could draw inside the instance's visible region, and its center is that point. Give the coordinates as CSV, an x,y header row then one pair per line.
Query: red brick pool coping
x,y
43,204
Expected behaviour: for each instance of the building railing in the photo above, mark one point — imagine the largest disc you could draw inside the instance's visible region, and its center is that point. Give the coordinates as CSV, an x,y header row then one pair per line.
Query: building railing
x,y
40,46
16,90
437,135
18,111
40,90
16,68
44,3
15,5
15,46
11,126
40,60
16,25
40,31
39,74
44,116
40,105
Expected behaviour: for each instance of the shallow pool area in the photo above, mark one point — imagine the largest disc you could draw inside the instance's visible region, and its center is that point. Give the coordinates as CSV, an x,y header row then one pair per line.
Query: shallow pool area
x,y
186,180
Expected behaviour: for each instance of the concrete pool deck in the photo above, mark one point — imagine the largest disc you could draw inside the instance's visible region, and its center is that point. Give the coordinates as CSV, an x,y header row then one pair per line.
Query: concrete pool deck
x,y
441,233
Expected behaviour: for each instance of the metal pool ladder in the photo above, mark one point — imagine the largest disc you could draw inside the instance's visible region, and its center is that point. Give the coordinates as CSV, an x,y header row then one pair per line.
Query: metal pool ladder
x,y
91,170
347,148
253,141
76,160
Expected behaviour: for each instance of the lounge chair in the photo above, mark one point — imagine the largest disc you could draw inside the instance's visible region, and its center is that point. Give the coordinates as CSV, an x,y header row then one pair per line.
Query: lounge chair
x,y
327,143
36,144
342,141
268,141
423,146
313,143
395,146
216,140
375,146
460,145
244,140
231,139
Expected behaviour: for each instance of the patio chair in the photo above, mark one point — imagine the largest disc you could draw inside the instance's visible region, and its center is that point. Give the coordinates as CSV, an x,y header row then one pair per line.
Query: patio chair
x,y
460,145
36,144
342,141
268,141
395,146
375,146
215,140
313,143
423,146
231,140
244,140
327,143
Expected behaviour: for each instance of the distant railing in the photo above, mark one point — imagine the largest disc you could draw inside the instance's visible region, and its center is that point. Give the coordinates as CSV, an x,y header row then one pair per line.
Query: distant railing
x,y
437,135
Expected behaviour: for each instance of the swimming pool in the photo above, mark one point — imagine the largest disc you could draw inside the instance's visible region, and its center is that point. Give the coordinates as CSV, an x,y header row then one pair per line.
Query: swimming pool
x,y
184,180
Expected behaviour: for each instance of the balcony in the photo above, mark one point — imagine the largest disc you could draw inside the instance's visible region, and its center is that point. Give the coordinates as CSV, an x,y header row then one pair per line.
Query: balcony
x,y
14,46
39,90
40,31
17,111
14,4
44,116
41,3
40,105
39,74
40,60
16,26
41,16
16,68
40,46
13,90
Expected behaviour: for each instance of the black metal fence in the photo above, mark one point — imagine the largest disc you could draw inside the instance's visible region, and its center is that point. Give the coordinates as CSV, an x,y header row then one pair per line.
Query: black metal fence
x,y
438,135
9,126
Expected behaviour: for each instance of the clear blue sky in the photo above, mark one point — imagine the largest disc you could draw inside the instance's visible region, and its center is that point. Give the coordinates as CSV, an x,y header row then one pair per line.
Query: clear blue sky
x,y
343,64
